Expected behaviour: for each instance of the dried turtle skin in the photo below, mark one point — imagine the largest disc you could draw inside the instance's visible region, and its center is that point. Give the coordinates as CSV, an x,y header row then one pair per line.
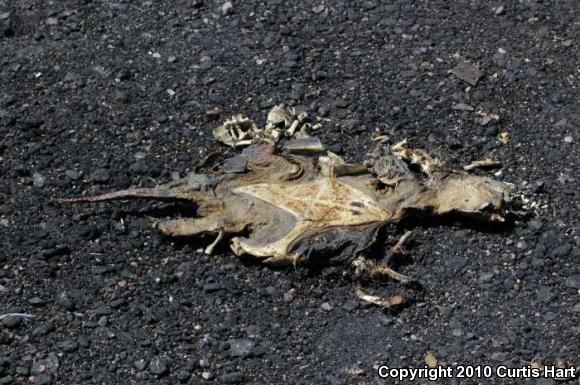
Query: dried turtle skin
x,y
287,209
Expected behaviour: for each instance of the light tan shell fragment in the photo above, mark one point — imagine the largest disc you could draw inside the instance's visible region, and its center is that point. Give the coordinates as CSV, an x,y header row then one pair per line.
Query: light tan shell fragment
x,y
324,202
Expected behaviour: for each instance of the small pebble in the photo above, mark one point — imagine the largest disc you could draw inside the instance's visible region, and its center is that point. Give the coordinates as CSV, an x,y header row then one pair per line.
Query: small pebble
x,y
11,321
43,329
212,287
227,8
462,107
66,303
72,174
561,251
350,305
36,301
203,363
290,295
183,375
241,348
22,370
101,175
499,356
568,139
68,346
140,365
158,366
121,96
269,290
573,281
213,113
43,379
318,9
38,180
84,340
231,378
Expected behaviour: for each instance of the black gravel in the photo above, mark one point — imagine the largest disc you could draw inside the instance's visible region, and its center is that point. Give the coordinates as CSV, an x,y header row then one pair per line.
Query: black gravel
x,y
100,95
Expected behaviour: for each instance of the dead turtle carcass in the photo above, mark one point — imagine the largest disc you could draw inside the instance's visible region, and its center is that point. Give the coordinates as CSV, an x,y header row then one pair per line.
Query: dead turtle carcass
x,y
287,201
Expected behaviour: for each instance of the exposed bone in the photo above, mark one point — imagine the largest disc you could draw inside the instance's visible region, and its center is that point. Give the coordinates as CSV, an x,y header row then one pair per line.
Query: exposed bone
x,y
209,249
396,249
381,139
304,131
369,268
293,127
240,131
237,131
482,163
381,271
394,300
399,145
504,137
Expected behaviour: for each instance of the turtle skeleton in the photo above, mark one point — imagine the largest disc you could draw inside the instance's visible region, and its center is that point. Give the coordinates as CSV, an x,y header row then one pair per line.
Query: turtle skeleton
x,y
285,206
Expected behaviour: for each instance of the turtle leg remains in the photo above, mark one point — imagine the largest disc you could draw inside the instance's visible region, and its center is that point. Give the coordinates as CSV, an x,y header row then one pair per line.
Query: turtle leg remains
x,y
184,227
